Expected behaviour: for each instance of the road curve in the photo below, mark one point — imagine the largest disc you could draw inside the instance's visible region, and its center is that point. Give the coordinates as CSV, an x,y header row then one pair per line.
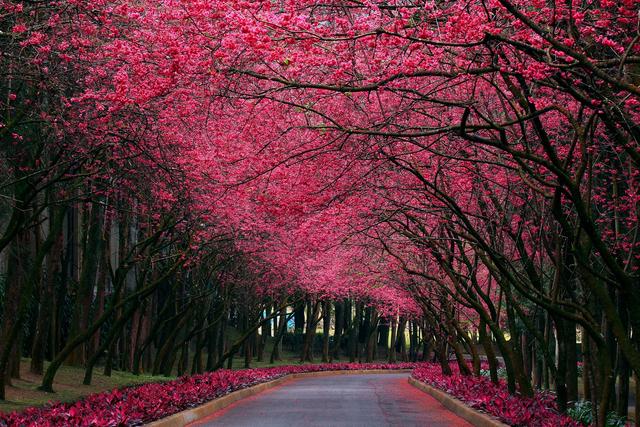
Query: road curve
x,y
341,400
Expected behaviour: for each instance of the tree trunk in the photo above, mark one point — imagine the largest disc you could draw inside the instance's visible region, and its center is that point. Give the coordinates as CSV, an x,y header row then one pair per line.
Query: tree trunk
x,y
372,338
312,323
353,333
394,335
16,306
401,346
487,344
43,323
339,328
107,344
326,326
17,271
282,329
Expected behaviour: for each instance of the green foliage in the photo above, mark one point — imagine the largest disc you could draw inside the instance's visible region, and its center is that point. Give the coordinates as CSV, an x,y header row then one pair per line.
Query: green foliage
x,y
502,373
615,420
582,411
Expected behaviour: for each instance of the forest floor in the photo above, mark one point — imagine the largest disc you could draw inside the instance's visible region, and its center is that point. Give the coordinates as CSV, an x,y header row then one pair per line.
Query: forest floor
x,y
24,393
68,386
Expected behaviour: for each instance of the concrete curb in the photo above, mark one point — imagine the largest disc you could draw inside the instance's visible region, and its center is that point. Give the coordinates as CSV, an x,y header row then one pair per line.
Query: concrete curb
x,y
183,418
456,406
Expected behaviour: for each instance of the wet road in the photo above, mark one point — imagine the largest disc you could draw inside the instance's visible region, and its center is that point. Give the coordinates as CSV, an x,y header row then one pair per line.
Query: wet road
x,y
341,400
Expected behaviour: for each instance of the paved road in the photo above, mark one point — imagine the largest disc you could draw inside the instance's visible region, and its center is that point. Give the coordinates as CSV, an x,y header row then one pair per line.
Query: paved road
x,y
340,400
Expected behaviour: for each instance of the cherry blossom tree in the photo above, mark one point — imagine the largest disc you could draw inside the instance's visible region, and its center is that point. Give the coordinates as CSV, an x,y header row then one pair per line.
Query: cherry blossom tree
x,y
466,170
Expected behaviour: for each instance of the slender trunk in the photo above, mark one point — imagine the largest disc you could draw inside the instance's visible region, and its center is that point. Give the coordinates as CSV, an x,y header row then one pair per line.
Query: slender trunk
x,y
607,386
561,371
282,329
413,341
586,367
337,337
623,369
524,382
298,322
107,344
222,343
383,338
572,361
248,350
108,362
17,271
212,343
43,326
326,326
353,333
91,255
312,323
231,351
636,412
441,354
12,329
261,339
372,339
487,344
167,347
392,344
73,342
401,345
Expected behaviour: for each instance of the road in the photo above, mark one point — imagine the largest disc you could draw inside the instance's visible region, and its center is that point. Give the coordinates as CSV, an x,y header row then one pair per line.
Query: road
x,y
340,400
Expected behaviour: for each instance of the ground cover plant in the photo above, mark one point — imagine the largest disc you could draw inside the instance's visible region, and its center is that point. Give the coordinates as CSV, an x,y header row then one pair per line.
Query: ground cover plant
x,y
136,405
480,393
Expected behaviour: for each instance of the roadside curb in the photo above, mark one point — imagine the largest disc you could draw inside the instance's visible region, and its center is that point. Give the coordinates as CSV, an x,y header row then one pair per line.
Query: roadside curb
x,y
458,407
183,418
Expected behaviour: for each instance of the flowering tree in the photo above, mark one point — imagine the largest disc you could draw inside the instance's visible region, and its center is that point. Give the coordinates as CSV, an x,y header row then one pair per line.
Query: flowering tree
x,y
468,170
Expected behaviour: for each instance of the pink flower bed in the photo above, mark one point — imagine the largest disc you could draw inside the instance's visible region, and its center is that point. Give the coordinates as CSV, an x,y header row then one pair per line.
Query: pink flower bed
x,y
133,406
482,394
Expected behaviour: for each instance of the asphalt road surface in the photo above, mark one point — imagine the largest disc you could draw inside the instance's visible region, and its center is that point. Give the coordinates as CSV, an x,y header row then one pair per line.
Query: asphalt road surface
x,y
340,400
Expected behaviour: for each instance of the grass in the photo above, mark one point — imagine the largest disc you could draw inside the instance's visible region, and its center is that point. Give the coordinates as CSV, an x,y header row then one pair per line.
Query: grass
x,y
68,386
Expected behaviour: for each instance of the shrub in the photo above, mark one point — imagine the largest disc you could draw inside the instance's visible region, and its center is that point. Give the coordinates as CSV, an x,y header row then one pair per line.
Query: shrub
x,y
137,405
582,412
494,399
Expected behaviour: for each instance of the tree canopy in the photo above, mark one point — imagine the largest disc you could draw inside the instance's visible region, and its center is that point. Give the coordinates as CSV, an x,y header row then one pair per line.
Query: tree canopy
x,y
472,165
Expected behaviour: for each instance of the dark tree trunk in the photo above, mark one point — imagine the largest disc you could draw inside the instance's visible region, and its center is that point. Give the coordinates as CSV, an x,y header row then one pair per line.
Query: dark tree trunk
x,y
363,333
212,336
91,255
107,345
622,365
383,337
353,333
572,361
312,323
43,323
326,326
394,337
487,344
282,329
337,338
16,275
372,338
298,318
401,346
